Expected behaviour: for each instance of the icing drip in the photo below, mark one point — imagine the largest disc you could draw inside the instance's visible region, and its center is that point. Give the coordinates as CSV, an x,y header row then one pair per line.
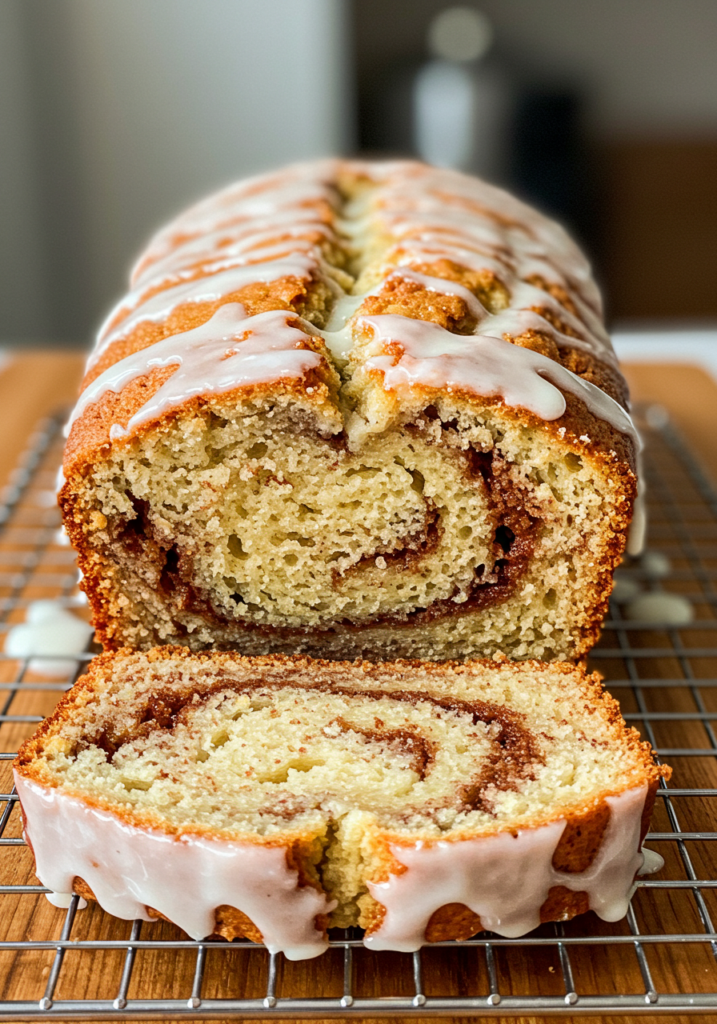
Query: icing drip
x,y
229,351
506,878
488,366
206,289
184,877
638,527
652,862
62,900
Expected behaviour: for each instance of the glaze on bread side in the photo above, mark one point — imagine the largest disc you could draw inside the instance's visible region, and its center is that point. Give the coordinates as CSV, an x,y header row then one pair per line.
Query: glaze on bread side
x,y
354,409
273,797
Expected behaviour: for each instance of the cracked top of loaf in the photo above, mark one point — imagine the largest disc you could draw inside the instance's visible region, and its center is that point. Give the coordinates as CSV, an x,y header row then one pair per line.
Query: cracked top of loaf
x,y
366,291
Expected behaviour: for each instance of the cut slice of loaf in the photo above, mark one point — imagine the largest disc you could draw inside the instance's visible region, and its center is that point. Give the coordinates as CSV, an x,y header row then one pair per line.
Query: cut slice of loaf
x,y
354,410
272,797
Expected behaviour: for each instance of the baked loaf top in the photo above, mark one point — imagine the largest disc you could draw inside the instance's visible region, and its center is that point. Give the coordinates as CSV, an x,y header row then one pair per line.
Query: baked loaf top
x,y
367,290
337,792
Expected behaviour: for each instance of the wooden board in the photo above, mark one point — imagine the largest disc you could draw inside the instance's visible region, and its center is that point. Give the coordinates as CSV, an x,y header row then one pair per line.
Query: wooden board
x,y
35,384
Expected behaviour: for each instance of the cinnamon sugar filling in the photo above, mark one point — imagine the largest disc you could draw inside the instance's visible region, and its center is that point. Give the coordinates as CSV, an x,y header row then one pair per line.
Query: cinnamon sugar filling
x,y
510,547
401,741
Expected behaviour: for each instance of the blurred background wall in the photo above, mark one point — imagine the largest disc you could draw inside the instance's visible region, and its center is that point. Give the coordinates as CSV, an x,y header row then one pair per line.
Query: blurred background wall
x,y
116,113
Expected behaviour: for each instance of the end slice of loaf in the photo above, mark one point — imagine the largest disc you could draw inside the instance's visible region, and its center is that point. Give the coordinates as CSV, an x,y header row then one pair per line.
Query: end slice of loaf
x,y
275,797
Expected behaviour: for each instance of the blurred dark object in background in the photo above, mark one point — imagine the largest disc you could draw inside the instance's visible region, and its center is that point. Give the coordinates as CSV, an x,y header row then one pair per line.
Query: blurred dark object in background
x,y
612,128
551,165
462,102
658,242
462,97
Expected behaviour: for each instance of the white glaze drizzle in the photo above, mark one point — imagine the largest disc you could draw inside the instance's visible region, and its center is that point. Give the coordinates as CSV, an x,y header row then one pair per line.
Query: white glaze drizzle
x,y
428,229
230,351
488,366
506,878
281,197
514,251
185,878
428,189
637,533
211,288
238,254
520,316
442,287
338,333
243,238
423,209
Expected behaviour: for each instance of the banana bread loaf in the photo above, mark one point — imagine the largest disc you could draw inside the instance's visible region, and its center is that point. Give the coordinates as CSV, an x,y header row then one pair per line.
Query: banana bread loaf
x,y
354,409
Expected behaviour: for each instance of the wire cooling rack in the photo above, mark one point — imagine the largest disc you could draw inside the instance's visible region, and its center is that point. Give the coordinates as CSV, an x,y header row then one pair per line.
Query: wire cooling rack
x,y
661,959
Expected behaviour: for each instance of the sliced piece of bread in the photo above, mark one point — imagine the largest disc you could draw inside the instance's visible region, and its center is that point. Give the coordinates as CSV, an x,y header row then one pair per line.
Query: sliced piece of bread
x,y
273,797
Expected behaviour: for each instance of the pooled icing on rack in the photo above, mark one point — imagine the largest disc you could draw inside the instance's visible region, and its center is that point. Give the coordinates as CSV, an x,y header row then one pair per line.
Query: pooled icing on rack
x,y
506,878
229,351
488,366
49,631
184,877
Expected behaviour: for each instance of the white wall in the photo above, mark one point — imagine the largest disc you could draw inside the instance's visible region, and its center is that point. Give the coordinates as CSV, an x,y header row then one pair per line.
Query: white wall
x,y
23,299
139,106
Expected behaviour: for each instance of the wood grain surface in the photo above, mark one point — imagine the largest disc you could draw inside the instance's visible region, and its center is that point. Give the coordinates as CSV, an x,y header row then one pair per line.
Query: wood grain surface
x,y
33,385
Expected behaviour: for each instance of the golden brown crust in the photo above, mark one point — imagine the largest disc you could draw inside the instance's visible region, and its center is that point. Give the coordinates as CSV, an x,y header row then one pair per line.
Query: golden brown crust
x,y
402,296
287,293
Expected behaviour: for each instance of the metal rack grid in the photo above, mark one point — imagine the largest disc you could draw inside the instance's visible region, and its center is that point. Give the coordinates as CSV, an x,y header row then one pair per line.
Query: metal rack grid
x,y
661,959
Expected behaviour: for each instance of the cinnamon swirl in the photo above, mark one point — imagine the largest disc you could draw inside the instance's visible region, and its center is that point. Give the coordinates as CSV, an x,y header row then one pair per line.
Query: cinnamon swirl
x,y
273,797
354,409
